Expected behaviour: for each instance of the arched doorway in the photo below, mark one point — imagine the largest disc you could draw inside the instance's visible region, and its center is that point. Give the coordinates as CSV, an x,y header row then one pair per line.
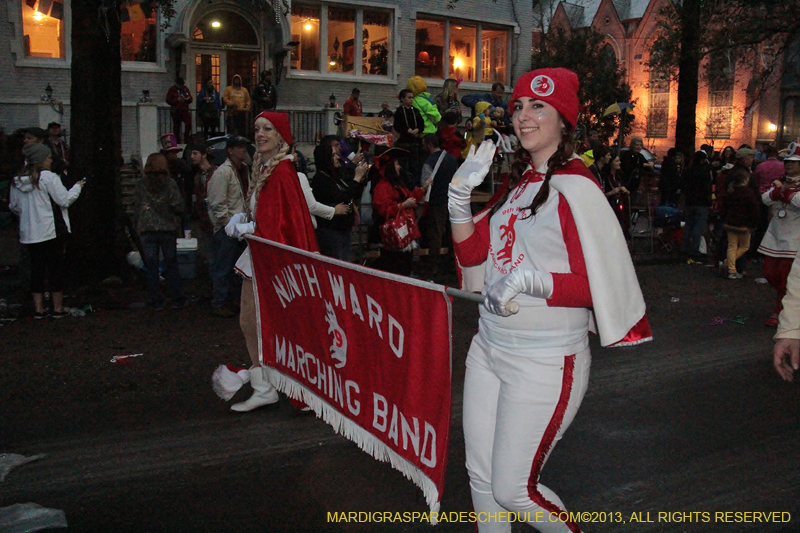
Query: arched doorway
x,y
224,44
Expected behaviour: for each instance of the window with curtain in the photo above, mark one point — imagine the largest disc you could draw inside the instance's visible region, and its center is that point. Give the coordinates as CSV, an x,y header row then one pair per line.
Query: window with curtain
x,y
43,28
494,58
473,52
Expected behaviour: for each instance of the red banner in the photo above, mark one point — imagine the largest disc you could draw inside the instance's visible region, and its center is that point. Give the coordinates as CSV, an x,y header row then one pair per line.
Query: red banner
x,y
368,351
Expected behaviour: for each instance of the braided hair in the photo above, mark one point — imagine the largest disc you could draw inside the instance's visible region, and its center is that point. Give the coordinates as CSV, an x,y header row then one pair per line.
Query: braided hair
x,y
522,159
258,176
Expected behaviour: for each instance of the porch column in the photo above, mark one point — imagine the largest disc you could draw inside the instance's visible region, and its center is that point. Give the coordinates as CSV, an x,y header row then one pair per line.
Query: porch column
x,y
331,127
147,123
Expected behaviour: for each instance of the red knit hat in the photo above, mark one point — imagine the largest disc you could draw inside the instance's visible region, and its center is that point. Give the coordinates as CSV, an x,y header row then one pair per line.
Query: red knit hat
x,y
281,123
556,86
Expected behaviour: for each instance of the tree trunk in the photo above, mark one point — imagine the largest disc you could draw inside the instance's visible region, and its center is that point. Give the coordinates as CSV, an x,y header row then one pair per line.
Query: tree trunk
x,y
688,78
96,123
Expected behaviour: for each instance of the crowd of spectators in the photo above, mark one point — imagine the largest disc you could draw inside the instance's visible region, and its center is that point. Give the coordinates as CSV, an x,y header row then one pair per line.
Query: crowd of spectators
x,y
736,204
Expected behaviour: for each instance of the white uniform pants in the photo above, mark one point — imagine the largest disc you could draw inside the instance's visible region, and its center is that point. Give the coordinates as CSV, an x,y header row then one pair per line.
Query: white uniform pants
x,y
515,411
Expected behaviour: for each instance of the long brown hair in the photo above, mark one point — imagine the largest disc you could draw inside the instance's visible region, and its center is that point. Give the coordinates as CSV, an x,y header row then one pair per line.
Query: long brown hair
x,y
33,171
449,92
156,172
522,159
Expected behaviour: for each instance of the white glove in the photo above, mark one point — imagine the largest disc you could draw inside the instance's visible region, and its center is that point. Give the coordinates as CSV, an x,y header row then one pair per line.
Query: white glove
x,y
520,280
238,218
240,230
469,175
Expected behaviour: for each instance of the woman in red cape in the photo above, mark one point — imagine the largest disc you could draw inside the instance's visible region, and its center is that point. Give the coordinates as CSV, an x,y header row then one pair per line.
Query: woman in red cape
x,y
277,211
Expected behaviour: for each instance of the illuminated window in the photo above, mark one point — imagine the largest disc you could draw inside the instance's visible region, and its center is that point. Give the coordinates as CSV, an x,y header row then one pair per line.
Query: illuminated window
x,y
375,43
721,76
429,49
658,109
495,53
305,31
466,60
225,27
43,28
791,118
206,66
341,53
139,31
463,45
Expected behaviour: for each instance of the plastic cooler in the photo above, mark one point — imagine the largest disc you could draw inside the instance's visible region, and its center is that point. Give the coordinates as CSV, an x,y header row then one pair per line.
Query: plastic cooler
x,y
187,258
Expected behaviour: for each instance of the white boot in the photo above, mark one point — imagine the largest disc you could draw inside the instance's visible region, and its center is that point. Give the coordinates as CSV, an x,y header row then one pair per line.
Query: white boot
x,y
263,392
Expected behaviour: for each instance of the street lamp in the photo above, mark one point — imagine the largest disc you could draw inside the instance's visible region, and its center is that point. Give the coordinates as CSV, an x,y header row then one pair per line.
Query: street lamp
x,y
55,105
145,98
332,100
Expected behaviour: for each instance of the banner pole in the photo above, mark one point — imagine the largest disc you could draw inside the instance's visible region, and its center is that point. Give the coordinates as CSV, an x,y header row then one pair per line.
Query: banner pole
x,y
513,307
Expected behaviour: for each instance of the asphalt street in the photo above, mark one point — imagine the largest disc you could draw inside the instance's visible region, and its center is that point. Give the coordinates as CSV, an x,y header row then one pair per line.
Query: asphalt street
x,y
679,434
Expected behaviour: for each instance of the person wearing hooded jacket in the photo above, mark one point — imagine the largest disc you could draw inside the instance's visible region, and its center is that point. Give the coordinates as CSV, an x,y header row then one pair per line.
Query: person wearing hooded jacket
x,y
425,104
237,101
157,207
40,230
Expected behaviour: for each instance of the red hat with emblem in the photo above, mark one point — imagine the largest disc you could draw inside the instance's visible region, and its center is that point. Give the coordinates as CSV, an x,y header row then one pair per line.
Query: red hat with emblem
x,y
556,86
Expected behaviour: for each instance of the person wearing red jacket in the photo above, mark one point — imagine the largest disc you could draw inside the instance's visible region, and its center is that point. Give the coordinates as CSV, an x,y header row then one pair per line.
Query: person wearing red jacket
x,y
276,211
389,197
352,106
449,139
179,97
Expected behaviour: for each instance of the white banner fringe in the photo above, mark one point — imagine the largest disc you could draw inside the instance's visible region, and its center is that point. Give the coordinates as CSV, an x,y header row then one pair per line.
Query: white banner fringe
x,y
363,438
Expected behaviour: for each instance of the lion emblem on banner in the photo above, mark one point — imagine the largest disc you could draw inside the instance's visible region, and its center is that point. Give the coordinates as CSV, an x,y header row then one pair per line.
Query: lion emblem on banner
x,y
339,339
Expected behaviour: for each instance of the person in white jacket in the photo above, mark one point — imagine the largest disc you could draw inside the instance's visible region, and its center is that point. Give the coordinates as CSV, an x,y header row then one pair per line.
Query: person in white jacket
x,y
786,353
316,208
41,227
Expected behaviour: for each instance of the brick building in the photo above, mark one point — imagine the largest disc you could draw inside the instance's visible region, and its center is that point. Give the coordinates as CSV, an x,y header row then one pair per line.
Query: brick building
x,y
630,30
312,44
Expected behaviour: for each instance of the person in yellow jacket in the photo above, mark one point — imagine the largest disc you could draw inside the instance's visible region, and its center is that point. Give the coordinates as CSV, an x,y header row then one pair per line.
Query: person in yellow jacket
x,y
425,104
482,127
237,102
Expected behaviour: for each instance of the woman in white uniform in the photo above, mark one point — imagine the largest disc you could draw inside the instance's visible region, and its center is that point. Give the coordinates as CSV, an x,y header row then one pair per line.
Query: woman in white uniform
x,y
550,243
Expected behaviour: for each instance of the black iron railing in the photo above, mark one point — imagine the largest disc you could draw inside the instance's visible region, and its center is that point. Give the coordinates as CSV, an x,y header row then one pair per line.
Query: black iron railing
x,y
307,126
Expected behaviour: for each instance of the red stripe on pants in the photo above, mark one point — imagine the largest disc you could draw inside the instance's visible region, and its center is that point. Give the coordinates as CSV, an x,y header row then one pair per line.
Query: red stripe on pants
x,y
547,443
776,271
